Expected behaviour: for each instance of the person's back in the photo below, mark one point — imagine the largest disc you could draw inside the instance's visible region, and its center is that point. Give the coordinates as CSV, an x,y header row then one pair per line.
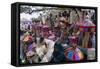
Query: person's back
x,y
58,54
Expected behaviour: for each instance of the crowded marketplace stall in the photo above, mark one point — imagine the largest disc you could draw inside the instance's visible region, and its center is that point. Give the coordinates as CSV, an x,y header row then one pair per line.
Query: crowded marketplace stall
x,y
54,35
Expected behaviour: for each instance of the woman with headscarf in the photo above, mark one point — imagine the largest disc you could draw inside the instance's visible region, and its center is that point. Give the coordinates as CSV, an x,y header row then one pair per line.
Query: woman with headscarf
x,y
58,54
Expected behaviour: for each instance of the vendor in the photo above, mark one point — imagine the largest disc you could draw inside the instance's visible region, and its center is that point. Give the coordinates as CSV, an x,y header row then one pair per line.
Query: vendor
x,y
87,27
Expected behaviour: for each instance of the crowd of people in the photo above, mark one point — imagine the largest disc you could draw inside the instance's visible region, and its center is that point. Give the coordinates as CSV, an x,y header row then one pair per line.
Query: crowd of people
x,y
61,37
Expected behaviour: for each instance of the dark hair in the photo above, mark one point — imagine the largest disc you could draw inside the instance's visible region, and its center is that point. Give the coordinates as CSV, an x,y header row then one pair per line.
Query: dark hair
x,y
86,13
64,14
41,39
56,16
51,14
59,14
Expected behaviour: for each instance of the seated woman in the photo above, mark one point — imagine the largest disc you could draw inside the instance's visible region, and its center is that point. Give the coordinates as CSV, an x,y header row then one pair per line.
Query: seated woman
x,y
41,49
45,49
